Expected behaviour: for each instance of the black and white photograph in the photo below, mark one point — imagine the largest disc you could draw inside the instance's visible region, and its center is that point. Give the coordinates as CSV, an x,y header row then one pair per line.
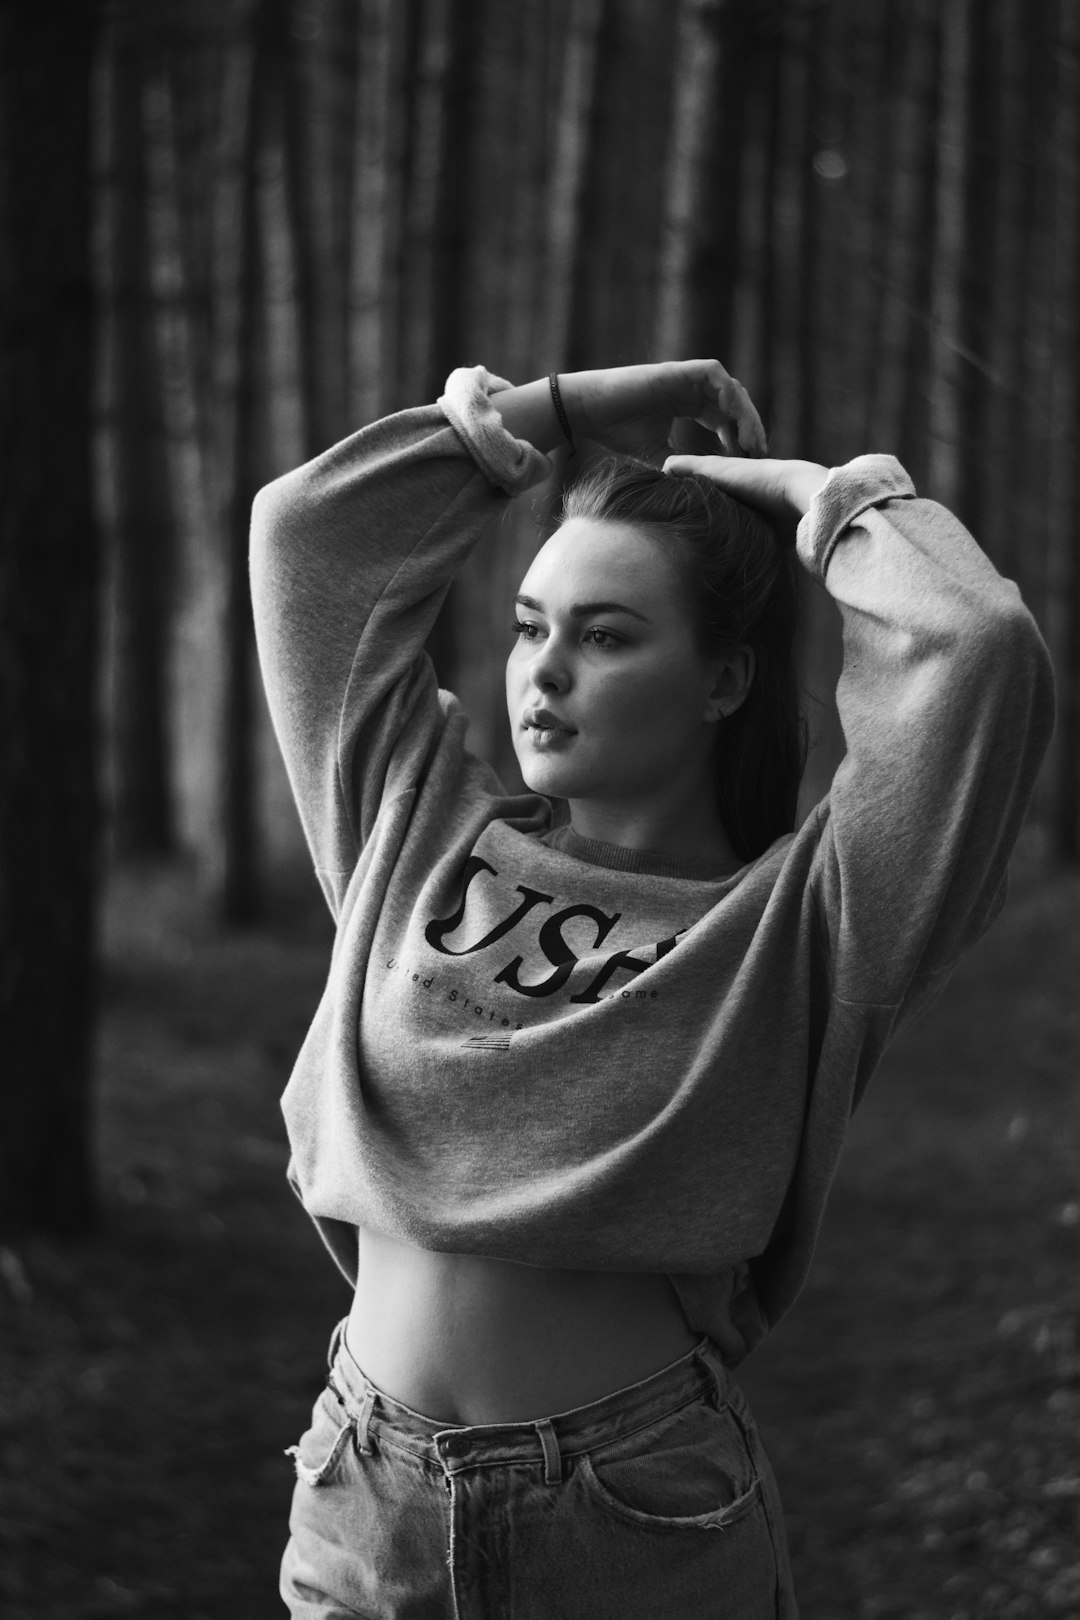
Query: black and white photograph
x,y
539,809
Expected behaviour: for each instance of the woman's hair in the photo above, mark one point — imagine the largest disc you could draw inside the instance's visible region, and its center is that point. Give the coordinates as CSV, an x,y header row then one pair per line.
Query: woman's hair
x,y
740,586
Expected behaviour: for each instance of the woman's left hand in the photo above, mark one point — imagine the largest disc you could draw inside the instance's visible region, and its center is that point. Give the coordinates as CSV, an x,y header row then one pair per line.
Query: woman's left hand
x,y
632,408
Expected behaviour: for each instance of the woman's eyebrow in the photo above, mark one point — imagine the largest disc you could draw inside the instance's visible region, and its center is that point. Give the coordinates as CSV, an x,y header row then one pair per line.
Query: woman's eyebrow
x,y
581,610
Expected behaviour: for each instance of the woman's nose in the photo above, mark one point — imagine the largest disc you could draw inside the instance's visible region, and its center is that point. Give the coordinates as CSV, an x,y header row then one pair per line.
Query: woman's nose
x,y
548,669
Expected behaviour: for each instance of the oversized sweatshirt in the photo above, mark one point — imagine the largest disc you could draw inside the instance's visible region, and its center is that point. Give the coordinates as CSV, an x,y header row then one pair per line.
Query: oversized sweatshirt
x,y
544,1049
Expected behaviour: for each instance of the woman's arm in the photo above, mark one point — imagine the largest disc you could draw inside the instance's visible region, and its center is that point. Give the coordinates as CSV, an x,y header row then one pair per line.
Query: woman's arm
x,y
351,556
946,701
632,408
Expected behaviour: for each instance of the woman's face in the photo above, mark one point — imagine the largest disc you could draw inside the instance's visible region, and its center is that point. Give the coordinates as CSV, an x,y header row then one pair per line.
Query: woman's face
x,y
609,695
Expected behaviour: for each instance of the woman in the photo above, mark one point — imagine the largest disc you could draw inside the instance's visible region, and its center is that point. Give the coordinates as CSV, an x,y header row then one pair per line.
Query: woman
x,y
568,1110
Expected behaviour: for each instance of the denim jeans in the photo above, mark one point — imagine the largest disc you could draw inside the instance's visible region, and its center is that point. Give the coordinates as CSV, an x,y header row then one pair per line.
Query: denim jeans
x,y
655,1503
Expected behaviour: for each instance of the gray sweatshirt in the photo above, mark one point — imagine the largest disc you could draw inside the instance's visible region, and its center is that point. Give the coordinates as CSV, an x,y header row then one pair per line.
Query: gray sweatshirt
x,y
569,1054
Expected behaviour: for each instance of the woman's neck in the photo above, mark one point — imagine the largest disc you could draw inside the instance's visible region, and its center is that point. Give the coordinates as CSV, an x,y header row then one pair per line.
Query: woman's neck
x,y
685,832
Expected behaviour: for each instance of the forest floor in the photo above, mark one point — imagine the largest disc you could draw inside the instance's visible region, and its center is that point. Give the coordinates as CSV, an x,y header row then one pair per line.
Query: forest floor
x,y
921,1404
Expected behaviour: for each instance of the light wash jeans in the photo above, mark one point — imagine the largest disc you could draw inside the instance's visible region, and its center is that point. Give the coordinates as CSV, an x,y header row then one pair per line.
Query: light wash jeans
x,y
655,1503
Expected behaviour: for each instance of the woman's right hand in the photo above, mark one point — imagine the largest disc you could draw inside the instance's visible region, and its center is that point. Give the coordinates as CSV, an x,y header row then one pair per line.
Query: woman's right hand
x,y
783,490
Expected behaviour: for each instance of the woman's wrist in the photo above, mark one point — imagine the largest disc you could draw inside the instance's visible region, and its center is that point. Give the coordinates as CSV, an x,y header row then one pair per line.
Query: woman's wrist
x,y
528,412
592,401
804,480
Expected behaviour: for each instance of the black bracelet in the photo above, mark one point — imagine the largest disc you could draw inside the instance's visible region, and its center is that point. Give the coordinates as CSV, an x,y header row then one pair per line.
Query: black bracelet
x,y
560,411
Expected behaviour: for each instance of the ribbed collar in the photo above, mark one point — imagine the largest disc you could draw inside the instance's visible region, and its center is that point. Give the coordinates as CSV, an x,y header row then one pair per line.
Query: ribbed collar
x,y
646,861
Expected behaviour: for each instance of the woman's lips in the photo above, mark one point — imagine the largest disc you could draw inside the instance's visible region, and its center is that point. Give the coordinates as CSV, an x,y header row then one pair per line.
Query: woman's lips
x,y
546,730
544,720
549,736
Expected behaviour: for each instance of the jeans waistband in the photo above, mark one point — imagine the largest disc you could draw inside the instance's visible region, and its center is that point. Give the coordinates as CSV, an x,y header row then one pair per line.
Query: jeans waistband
x,y
700,1372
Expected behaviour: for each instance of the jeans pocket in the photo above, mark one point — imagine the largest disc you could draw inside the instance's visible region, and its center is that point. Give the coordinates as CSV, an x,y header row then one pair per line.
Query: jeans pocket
x,y
323,1446
692,1469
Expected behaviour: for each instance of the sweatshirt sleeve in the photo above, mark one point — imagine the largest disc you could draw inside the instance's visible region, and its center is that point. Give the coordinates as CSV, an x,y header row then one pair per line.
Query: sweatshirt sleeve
x,y
351,558
946,701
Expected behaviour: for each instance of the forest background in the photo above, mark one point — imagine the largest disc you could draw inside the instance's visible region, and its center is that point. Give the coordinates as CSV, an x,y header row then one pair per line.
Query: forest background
x,y
234,230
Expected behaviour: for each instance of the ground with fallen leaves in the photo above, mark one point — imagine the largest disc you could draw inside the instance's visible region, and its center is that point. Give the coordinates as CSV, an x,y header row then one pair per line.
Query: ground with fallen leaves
x,y
921,1404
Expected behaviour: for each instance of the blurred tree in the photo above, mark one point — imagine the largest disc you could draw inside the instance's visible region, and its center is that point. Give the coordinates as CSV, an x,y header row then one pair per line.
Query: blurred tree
x,y
452,235
241,897
376,219
759,223
141,505
208,137
1063,495
687,209
868,156
981,201
441,240
808,31
953,122
1020,102
48,615
898,405
308,52
567,224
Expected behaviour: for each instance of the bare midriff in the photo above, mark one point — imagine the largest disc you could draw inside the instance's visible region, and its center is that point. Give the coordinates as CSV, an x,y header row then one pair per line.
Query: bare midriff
x,y
467,1339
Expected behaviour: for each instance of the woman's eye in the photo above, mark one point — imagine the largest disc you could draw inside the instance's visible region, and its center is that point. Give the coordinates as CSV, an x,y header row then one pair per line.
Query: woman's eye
x,y
525,630
600,638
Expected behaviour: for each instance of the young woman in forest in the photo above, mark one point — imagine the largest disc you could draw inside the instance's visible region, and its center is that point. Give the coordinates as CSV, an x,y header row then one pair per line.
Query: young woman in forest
x,y
568,1110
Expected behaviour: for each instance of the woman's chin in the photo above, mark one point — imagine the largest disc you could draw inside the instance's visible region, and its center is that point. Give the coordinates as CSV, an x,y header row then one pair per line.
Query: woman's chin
x,y
544,776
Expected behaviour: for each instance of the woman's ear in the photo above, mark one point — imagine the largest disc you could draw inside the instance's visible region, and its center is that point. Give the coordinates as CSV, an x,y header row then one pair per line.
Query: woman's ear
x,y
733,675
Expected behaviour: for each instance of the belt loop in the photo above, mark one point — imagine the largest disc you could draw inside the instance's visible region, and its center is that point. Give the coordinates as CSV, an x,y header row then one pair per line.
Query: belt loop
x,y
362,1442
712,1363
553,1474
335,1341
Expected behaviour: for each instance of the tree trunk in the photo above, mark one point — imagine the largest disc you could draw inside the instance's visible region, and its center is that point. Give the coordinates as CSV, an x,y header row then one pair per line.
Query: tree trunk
x,y
49,573
981,198
782,230
953,123
515,138
294,107
1032,451
180,273
1062,622
914,364
869,151
241,897
424,68
769,63
692,136
1011,261
897,403
300,89
451,233
569,171
376,219
811,297
143,542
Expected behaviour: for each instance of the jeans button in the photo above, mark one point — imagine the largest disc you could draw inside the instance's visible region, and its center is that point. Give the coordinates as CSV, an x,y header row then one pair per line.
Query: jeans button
x,y
454,1446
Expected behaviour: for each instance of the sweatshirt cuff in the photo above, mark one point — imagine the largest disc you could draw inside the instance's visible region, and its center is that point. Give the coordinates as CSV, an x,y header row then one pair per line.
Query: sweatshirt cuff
x,y
849,490
508,463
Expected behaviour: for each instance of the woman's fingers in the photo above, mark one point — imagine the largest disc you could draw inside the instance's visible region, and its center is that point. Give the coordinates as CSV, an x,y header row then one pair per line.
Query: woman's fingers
x,y
632,407
735,410
704,391
779,488
731,472
752,480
